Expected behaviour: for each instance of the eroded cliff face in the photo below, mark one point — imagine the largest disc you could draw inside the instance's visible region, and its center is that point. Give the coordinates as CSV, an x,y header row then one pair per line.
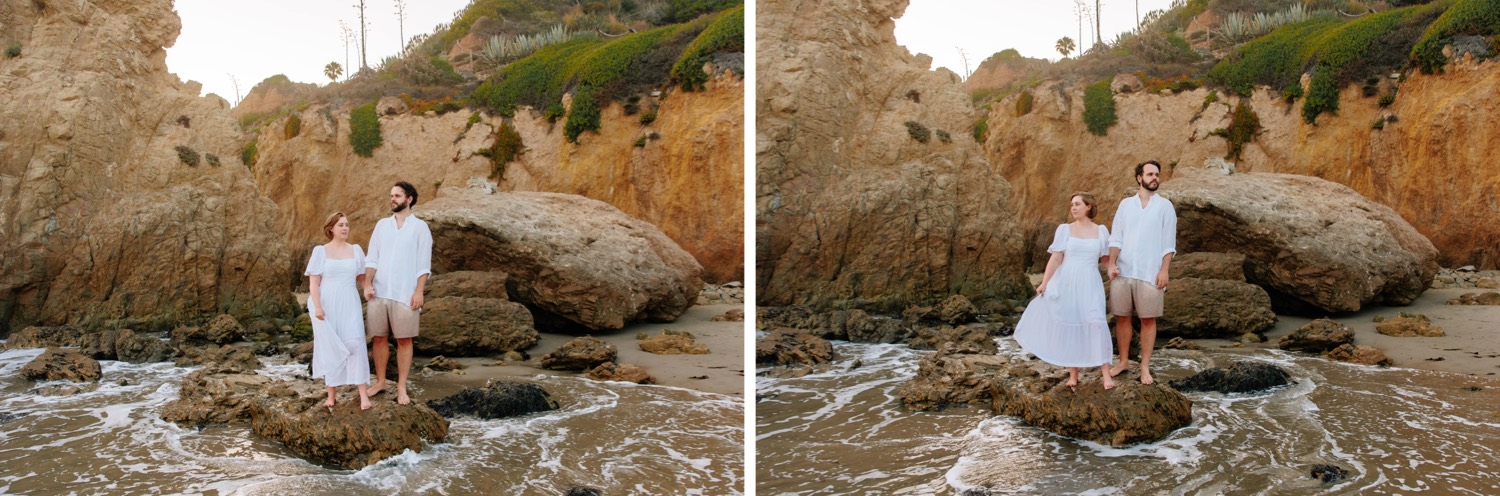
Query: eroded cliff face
x,y
688,181
101,220
851,209
1432,164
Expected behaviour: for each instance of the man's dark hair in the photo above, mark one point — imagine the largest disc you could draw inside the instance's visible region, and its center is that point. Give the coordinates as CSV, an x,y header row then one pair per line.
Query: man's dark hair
x,y
411,191
1140,169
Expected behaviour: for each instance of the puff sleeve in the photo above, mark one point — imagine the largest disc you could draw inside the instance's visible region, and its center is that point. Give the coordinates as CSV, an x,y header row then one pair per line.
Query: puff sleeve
x,y
315,262
1104,237
359,259
1059,240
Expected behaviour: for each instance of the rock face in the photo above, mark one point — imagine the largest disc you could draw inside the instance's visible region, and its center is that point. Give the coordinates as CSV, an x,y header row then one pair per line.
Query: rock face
x,y
1241,377
467,284
271,95
223,329
1363,355
786,346
1318,336
458,326
610,371
496,400
672,344
580,354
1205,265
226,357
347,438
45,336
1128,414
1214,308
61,364
1310,243
861,327
101,221
568,256
689,182
1430,165
978,338
1404,326
869,193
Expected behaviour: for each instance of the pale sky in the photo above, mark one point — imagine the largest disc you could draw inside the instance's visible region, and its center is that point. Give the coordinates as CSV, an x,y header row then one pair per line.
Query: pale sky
x,y
982,27
256,40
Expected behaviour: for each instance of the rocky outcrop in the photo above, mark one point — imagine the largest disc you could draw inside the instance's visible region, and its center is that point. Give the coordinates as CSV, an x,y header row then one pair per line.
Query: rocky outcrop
x,y
1214,308
45,336
733,315
1409,326
271,95
870,194
62,364
467,284
1128,414
953,310
1363,355
215,396
1177,343
1318,336
862,327
580,354
672,344
1428,164
226,357
978,338
1311,243
786,346
1486,298
126,346
122,199
688,181
293,414
223,329
443,364
568,257
1204,265
611,371
458,326
1240,377
496,400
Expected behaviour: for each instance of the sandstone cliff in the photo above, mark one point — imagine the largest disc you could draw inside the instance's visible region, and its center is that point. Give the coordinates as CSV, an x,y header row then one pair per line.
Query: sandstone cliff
x,y
851,209
102,220
1430,163
688,181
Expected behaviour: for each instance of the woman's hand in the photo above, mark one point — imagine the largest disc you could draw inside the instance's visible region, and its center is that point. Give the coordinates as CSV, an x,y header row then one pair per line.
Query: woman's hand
x,y
1042,289
320,315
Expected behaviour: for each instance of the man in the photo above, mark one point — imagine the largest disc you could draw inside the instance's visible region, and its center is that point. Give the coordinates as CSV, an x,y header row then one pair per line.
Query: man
x,y
396,271
1141,247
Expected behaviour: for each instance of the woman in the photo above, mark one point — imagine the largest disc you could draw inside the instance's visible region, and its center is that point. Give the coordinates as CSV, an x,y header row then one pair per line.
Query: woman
x,y
334,272
1066,324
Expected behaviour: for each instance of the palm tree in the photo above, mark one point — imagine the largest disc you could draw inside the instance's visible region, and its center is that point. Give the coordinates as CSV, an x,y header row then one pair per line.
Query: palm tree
x,y
333,70
1066,46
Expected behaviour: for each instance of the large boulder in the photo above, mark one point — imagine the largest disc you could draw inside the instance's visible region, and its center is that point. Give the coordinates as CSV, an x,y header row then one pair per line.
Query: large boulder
x,y
567,256
1240,377
457,326
126,346
870,194
1312,244
215,396
45,336
495,400
62,364
1034,392
1214,308
580,354
468,284
1206,265
1318,336
787,346
292,413
862,327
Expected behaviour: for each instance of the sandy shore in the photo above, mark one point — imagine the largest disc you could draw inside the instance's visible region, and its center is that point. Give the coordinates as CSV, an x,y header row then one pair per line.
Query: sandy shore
x,y
721,371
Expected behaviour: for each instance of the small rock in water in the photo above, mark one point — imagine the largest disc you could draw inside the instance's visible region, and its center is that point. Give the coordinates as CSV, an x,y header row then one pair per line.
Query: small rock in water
x,y
1241,377
856,364
583,491
1474,389
1328,473
496,400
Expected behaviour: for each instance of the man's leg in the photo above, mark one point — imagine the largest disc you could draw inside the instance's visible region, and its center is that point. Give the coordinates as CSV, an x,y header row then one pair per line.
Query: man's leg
x,y
381,352
403,364
1122,343
1148,340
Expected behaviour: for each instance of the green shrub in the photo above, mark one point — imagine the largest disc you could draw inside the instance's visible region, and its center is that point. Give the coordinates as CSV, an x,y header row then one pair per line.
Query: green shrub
x,y
1322,96
641,142
1243,126
504,150
187,155
1209,99
1024,103
725,34
1291,93
211,159
13,51
1387,99
1379,124
1476,17
249,154
943,136
474,118
293,127
555,112
686,10
364,130
981,129
648,117
918,132
1099,107
584,116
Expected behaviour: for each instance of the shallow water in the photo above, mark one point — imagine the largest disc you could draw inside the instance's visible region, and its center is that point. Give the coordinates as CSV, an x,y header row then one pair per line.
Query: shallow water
x,y
621,438
1395,430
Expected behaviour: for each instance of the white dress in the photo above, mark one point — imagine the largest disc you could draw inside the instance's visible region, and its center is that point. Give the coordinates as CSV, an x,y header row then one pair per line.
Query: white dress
x,y
339,355
1068,326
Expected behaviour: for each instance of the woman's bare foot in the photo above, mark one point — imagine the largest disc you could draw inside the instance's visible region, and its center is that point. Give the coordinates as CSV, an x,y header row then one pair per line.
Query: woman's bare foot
x,y
364,402
329,405
1108,383
1073,382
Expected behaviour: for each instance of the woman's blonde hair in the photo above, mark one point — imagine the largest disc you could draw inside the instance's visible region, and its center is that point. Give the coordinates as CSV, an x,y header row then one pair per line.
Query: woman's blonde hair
x,y
328,225
1088,199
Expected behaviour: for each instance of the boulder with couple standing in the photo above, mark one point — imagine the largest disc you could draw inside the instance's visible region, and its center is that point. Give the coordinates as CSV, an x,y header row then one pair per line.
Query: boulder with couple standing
x,y
573,261
1314,245
1037,394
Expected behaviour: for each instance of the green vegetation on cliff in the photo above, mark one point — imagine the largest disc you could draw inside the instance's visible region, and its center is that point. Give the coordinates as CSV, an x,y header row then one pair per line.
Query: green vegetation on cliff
x,y
364,130
1099,107
1465,17
725,34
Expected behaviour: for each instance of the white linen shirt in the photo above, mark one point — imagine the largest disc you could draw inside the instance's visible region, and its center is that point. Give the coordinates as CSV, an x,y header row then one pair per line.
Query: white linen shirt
x,y
1144,236
399,257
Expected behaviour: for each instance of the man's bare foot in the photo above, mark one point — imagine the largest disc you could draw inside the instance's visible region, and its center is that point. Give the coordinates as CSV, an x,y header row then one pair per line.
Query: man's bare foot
x,y
401,398
377,388
1121,367
1146,378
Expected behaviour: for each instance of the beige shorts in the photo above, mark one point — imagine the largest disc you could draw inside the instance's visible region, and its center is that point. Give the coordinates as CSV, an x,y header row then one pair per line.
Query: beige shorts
x,y
385,317
1126,294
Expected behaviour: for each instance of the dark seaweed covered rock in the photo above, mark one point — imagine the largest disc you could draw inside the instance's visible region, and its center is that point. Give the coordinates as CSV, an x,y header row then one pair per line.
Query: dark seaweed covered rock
x,y
1242,377
495,400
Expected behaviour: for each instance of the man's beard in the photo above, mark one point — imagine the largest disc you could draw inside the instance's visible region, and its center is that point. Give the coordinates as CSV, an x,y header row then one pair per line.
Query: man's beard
x,y
398,208
1150,186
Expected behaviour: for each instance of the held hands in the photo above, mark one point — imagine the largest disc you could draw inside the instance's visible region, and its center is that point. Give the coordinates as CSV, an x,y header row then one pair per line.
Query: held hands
x,y
1114,271
369,292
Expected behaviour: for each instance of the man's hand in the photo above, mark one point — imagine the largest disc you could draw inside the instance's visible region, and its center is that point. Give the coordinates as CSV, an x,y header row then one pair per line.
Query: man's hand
x,y
1161,280
1114,271
369,293
416,301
